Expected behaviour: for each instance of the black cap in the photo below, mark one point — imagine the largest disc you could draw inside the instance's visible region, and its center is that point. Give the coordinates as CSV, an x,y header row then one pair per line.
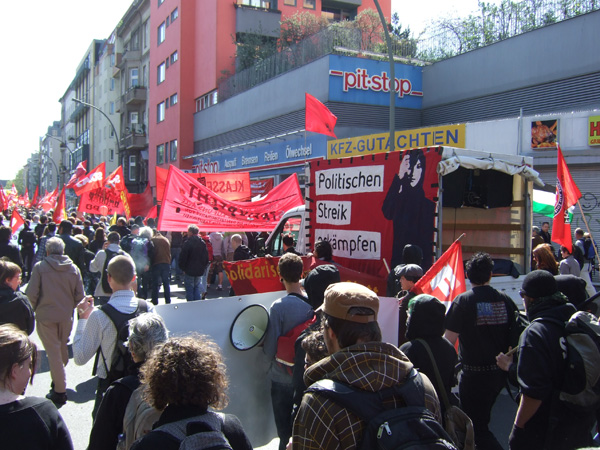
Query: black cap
x,y
539,283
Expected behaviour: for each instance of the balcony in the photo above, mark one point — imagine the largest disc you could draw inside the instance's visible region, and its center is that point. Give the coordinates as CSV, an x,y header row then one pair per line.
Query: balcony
x,y
116,67
135,95
128,56
341,3
134,137
254,19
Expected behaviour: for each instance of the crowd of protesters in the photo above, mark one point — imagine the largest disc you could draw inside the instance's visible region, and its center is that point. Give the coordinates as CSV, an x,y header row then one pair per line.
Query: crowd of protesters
x,y
169,390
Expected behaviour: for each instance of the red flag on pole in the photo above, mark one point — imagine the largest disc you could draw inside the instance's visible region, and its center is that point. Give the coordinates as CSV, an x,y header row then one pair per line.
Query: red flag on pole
x,y
16,220
79,173
116,180
35,199
317,117
446,278
60,212
567,194
92,180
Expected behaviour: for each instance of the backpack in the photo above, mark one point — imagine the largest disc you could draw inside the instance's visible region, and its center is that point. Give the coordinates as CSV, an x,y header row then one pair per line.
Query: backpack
x,y
588,249
104,278
196,433
209,248
409,427
286,345
139,254
518,322
139,415
580,389
121,358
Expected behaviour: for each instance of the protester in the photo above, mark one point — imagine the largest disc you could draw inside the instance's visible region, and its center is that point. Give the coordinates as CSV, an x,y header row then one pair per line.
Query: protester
x,y
285,314
241,252
411,254
25,422
544,258
54,290
40,227
8,250
127,240
216,268
73,248
288,244
479,319
140,252
99,266
568,265
193,261
176,240
545,233
574,289
49,232
160,266
426,327
585,244
409,274
95,330
542,421
89,278
15,307
120,227
27,242
97,243
323,251
185,394
357,358
146,331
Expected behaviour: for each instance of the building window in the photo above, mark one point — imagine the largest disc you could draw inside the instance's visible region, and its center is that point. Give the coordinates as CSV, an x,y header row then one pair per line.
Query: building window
x,y
160,154
144,76
160,2
111,154
173,150
173,99
112,84
145,28
161,33
174,15
134,77
112,60
206,101
174,57
160,112
289,2
132,166
133,117
309,4
160,73
112,107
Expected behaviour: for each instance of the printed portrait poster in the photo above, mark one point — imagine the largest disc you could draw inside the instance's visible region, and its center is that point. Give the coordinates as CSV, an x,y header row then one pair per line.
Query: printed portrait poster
x,y
544,133
369,208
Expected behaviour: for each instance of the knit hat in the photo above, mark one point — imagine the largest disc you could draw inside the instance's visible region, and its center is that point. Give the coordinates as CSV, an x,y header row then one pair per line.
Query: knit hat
x,y
539,283
340,297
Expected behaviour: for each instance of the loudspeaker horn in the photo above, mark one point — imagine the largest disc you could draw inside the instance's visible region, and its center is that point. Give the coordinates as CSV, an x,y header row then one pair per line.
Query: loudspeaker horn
x,y
249,327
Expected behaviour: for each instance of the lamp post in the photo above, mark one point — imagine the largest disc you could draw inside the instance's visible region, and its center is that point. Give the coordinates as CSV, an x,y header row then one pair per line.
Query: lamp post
x,y
63,144
76,100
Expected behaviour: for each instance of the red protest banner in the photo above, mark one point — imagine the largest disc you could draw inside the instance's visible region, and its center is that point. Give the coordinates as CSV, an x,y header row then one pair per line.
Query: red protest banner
x,y
161,181
140,204
101,201
92,180
261,187
259,275
369,208
186,201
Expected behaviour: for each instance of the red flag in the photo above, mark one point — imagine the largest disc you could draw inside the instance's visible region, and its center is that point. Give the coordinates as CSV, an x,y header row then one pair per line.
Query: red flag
x,y
116,180
79,173
140,204
567,194
318,118
60,212
16,220
152,214
3,200
161,181
92,180
49,200
446,278
36,194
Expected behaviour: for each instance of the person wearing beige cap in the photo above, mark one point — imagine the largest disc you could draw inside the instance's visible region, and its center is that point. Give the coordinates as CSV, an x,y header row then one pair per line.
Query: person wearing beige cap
x,y
357,358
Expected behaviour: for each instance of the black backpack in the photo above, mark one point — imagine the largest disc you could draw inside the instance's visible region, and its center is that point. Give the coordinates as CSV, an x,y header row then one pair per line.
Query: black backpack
x,y
104,278
121,358
198,433
409,427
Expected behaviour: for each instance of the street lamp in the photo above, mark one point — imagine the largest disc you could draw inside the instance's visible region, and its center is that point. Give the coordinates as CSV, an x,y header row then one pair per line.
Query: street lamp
x,y
76,100
63,144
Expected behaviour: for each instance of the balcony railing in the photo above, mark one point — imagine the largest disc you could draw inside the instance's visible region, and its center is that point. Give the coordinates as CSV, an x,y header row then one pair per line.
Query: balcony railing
x,y
134,137
135,95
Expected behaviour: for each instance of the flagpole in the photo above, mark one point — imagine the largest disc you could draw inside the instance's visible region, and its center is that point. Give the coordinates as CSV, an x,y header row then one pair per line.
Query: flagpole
x,y
588,229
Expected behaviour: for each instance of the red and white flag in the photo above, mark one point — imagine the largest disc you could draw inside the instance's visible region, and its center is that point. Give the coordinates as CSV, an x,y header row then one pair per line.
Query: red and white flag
x,y
92,180
446,277
79,174
317,117
115,180
567,194
16,220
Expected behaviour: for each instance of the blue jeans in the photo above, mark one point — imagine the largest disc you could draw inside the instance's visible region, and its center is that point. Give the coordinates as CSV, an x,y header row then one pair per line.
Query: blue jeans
x,y
203,284
175,252
282,400
192,287
161,273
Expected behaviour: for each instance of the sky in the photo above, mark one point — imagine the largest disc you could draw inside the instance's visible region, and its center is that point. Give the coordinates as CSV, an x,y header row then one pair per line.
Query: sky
x,y
49,39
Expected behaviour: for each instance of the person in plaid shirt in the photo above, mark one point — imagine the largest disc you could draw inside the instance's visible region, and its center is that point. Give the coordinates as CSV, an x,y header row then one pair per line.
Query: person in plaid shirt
x,y
358,358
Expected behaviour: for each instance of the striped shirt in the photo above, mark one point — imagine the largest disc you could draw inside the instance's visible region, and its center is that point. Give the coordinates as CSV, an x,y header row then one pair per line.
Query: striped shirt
x,y
98,330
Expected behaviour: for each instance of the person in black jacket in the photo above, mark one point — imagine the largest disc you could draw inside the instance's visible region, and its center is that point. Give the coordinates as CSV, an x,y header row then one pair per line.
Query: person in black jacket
x,y
73,248
15,307
146,331
25,422
185,394
193,261
8,250
27,241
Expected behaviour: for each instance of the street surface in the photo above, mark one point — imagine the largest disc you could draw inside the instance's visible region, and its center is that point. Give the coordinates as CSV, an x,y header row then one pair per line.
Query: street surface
x,y
81,388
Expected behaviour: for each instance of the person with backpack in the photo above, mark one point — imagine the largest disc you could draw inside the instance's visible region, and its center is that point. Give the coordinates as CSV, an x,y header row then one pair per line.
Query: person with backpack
x,y
362,379
587,247
141,253
100,330
285,314
123,416
184,396
99,265
543,420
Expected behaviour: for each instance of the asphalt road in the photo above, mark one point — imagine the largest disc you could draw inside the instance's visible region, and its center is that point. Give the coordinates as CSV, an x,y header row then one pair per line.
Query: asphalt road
x,y
81,387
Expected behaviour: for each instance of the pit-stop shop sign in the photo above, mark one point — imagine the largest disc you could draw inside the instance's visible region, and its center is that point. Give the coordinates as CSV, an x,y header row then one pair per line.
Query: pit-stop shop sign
x,y
358,80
